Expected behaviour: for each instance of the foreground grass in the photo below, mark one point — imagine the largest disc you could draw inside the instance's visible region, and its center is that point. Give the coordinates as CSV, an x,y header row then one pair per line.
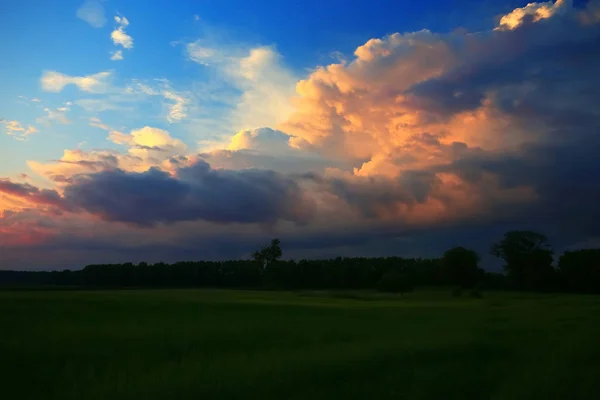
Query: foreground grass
x,y
184,344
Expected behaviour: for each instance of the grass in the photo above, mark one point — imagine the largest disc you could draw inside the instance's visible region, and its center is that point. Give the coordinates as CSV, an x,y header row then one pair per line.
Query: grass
x,y
184,344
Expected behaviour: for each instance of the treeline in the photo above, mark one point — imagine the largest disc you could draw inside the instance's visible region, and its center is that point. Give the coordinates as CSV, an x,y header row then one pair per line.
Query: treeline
x,y
527,255
339,273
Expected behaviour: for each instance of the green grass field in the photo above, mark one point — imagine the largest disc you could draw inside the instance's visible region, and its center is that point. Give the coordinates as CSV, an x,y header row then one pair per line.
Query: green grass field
x,y
208,344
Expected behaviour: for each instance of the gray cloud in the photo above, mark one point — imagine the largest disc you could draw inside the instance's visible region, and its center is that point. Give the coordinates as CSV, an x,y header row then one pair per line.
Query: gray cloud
x,y
197,193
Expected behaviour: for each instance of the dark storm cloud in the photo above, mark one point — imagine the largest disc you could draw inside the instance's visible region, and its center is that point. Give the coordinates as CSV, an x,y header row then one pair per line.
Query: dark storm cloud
x,y
547,54
372,195
197,193
564,176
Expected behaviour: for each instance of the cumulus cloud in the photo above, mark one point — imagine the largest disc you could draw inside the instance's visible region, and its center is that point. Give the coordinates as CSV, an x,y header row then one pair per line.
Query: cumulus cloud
x,y
145,148
53,81
535,11
92,12
119,36
266,148
196,192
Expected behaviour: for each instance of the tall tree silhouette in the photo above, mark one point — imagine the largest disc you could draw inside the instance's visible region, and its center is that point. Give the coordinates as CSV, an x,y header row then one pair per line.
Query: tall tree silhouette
x,y
268,254
528,258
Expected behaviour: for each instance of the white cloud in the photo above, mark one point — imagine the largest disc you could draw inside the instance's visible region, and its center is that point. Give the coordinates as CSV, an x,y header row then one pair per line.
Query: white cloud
x,y
258,72
92,12
53,81
117,55
36,100
119,36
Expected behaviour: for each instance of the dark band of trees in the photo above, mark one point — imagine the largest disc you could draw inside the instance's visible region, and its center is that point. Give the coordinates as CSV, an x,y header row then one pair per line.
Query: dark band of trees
x,y
527,255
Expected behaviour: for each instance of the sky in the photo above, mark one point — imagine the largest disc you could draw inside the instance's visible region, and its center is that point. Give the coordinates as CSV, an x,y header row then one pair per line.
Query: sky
x,y
168,131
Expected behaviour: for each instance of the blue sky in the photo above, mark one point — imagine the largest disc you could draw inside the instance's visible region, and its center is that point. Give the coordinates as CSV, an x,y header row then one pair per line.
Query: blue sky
x,y
404,114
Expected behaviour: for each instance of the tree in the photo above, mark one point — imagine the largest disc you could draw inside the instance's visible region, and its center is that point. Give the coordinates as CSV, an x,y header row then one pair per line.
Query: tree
x,y
268,254
528,258
580,270
460,267
395,282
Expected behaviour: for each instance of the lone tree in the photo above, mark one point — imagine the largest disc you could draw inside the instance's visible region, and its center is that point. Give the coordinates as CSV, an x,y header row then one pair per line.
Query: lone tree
x,y
268,254
460,267
528,258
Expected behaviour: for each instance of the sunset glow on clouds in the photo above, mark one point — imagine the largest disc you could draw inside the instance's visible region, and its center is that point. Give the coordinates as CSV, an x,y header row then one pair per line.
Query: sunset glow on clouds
x,y
413,142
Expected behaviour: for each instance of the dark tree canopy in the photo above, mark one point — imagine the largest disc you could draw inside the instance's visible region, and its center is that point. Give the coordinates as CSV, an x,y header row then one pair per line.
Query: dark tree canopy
x,y
460,267
528,259
268,254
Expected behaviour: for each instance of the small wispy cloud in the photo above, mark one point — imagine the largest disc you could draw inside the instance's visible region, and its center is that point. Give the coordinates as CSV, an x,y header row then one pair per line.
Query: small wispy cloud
x,y
53,81
97,123
176,103
116,55
56,115
16,129
92,12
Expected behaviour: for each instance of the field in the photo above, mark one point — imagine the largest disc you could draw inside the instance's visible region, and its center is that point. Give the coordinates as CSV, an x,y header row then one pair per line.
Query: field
x,y
193,344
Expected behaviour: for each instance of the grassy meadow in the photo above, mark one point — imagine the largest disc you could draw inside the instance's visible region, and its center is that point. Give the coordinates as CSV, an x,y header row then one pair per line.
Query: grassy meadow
x,y
217,344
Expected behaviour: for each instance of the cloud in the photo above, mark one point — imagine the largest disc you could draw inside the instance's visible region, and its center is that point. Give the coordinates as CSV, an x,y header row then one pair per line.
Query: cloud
x,y
32,194
15,129
177,106
536,11
117,55
176,103
258,73
266,148
59,115
92,12
97,123
53,81
197,192
119,36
